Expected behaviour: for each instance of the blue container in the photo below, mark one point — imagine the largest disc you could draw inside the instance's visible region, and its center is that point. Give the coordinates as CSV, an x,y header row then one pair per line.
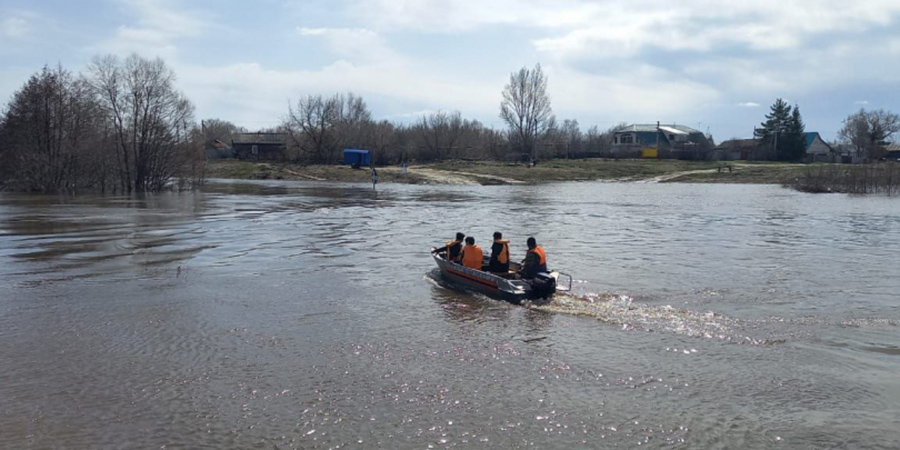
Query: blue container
x,y
357,158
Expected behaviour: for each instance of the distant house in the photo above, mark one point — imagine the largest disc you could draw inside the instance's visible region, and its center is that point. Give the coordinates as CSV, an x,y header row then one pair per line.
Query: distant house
x,y
260,146
737,149
217,149
892,152
668,141
817,150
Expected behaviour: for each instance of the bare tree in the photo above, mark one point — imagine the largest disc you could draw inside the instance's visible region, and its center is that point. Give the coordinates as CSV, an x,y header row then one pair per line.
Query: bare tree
x,y
219,130
381,139
599,143
151,122
353,117
440,132
46,130
320,127
310,126
868,131
526,108
572,138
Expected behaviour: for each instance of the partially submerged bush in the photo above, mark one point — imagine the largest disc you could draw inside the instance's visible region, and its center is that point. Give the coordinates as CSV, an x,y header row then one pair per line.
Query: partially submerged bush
x,y
880,178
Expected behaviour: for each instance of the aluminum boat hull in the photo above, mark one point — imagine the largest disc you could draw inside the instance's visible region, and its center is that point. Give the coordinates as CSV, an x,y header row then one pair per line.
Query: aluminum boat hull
x,y
512,290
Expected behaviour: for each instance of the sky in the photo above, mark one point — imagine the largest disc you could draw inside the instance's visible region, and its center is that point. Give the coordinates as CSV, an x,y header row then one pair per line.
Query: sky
x,y
714,65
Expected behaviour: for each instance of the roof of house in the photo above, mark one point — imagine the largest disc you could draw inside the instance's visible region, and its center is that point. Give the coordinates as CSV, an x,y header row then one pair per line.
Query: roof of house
x,y
810,137
651,128
739,143
892,147
259,138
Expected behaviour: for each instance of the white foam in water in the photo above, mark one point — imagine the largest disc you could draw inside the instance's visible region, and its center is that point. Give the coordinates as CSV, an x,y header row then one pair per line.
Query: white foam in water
x,y
622,310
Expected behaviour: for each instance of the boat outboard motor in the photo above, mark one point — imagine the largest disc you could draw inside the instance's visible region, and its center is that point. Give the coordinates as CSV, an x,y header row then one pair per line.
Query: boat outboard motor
x,y
543,284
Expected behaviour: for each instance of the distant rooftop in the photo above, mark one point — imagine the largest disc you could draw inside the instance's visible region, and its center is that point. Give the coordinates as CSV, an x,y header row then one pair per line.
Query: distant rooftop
x,y
651,128
739,143
259,138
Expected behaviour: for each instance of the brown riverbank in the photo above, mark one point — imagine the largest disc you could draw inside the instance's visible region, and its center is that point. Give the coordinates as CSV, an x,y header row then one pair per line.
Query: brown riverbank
x,y
491,173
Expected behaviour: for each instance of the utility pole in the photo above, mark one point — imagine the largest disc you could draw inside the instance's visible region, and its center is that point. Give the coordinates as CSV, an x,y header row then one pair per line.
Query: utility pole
x,y
775,148
657,140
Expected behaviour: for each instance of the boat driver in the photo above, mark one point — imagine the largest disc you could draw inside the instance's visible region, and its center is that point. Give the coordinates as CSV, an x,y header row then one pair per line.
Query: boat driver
x,y
535,260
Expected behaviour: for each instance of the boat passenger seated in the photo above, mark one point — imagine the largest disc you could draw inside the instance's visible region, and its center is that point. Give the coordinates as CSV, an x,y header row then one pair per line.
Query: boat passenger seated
x,y
499,254
472,256
535,260
452,249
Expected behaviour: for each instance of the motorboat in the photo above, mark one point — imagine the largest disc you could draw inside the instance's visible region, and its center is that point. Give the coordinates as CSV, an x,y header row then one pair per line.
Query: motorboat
x,y
507,286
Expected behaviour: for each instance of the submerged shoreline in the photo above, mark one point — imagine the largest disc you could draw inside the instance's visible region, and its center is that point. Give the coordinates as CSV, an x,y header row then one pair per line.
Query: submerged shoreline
x,y
498,173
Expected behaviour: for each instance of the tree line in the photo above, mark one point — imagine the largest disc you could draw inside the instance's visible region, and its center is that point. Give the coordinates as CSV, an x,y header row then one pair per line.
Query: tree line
x,y
864,133
121,127
320,127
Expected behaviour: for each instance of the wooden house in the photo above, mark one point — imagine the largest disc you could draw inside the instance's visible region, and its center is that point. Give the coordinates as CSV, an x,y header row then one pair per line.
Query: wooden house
x,y
260,146
736,149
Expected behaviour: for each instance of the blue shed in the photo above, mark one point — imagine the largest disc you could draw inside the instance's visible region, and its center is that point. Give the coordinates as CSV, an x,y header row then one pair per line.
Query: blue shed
x,y
357,158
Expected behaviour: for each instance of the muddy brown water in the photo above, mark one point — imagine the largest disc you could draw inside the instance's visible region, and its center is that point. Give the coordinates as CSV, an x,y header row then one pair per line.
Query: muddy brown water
x,y
305,315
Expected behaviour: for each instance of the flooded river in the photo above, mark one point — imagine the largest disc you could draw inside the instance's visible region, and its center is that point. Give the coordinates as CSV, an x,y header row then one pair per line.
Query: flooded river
x,y
280,315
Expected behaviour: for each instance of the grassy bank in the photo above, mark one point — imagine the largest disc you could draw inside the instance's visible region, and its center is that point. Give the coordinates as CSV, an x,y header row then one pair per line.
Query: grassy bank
x,y
489,172
577,169
746,173
248,170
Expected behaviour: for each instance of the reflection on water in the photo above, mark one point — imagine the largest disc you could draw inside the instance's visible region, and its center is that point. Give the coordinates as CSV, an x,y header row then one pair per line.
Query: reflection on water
x,y
309,315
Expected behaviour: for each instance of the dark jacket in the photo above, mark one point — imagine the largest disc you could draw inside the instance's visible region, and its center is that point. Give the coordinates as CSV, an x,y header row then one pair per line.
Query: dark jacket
x,y
497,249
454,251
533,263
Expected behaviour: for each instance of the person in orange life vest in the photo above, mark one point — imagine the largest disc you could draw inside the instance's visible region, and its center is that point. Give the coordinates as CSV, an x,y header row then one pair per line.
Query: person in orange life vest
x,y
535,260
472,256
499,254
451,249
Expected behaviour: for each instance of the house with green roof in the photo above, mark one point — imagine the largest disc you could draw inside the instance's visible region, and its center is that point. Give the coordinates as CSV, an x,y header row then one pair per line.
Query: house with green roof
x,y
817,150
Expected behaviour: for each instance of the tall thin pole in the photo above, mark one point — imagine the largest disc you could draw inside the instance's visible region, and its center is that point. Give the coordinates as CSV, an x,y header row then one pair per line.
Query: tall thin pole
x,y
775,149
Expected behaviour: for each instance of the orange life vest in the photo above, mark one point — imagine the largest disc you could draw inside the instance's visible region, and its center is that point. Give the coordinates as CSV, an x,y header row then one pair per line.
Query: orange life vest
x,y
503,257
538,250
472,256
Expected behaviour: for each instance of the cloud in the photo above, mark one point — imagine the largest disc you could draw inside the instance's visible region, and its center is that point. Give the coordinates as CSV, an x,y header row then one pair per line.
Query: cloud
x,y
14,27
252,95
629,28
445,16
643,94
608,60
355,44
861,102
768,19
158,29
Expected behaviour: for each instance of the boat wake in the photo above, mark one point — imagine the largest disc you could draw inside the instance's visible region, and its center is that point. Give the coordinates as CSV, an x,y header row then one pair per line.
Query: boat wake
x,y
621,310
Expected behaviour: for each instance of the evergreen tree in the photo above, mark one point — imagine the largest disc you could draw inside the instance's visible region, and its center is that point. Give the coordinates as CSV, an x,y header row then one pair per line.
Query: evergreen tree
x,y
795,139
782,132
